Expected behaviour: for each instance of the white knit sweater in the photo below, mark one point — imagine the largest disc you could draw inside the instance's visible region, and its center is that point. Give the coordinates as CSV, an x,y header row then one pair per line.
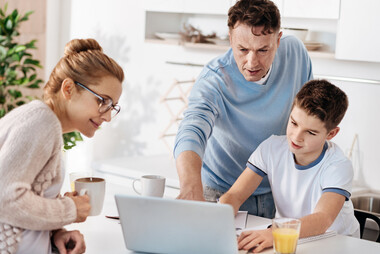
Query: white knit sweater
x,y
30,161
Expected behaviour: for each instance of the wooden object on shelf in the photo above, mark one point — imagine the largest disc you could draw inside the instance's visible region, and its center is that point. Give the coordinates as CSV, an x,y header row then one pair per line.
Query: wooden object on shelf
x,y
175,113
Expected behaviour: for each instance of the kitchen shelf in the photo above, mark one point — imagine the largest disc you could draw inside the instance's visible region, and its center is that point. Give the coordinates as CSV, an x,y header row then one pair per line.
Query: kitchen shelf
x,y
321,54
209,46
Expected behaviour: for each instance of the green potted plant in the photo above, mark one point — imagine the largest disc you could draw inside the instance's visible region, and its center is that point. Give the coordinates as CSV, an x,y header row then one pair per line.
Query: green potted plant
x,y
18,68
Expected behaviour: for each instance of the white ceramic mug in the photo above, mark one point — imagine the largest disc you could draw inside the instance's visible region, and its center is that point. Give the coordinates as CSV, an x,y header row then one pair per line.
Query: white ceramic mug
x,y
151,185
95,188
75,175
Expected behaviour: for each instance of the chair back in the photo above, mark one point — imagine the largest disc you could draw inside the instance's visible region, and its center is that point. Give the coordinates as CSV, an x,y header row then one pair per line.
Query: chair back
x,y
362,217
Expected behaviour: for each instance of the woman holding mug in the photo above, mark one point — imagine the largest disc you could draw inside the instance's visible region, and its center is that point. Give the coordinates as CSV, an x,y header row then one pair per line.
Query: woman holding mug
x,y
81,93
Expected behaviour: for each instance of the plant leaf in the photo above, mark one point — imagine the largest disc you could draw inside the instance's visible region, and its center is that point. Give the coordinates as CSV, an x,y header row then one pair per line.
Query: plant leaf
x,y
9,24
15,93
3,52
33,86
19,48
19,103
2,112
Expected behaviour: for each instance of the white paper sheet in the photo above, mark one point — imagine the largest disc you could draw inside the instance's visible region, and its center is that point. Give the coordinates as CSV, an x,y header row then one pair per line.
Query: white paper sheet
x,y
241,220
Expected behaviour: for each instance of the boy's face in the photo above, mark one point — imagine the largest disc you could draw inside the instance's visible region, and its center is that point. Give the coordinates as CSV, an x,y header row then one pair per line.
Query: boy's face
x,y
306,136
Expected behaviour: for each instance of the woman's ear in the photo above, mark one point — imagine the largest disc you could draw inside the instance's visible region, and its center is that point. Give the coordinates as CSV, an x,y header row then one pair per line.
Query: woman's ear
x,y
67,88
332,133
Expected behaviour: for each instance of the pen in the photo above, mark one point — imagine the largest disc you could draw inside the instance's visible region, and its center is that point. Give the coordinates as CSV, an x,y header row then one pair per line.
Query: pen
x,y
112,217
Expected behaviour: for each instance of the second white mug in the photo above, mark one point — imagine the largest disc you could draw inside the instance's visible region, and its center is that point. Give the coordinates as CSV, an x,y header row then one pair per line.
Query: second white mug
x,y
151,185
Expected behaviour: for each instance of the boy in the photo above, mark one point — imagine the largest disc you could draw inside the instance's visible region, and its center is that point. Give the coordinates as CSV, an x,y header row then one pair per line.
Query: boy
x,y
309,175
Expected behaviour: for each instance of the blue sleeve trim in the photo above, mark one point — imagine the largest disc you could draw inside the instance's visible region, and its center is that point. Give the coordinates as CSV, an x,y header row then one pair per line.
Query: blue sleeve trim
x,y
256,169
342,192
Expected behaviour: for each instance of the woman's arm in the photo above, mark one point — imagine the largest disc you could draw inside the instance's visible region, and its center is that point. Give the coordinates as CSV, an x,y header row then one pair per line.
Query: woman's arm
x,y
30,161
244,186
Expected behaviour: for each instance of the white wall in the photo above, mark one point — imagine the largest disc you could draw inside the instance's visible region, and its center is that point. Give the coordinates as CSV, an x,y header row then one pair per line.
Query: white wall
x,y
118,25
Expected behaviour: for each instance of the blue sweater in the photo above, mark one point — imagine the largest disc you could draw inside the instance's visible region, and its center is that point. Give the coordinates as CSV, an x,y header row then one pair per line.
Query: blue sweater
x,y
228,117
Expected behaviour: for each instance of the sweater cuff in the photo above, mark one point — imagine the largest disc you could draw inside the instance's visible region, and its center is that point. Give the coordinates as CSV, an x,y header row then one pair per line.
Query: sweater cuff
x,y
188,146
70,214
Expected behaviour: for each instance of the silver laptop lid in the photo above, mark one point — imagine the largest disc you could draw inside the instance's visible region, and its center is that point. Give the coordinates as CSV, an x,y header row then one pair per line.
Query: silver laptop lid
x,y
169,226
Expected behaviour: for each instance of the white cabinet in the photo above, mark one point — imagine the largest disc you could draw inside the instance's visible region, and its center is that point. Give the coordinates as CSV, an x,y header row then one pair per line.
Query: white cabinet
x,y
320,9
279,4
164,5
189,6
357,35
345,28
207,7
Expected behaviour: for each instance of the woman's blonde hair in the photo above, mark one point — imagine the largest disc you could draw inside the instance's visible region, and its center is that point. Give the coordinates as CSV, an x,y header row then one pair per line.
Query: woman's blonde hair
x,y
84,62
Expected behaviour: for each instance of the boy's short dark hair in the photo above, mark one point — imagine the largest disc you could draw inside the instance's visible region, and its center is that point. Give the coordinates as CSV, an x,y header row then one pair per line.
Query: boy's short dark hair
x,y
324,100
255,13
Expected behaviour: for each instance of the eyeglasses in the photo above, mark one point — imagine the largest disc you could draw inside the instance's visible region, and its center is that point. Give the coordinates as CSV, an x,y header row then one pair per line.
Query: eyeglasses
x,y
105,104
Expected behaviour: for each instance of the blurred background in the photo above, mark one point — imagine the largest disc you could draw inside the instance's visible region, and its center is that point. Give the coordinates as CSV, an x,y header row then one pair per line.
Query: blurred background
x,y
162,46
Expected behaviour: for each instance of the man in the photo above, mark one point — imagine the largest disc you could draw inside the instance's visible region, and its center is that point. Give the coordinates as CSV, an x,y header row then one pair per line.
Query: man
x,y
240,99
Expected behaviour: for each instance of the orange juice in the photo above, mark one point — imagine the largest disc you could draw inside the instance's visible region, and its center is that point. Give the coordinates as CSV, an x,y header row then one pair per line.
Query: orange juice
x,y
285,240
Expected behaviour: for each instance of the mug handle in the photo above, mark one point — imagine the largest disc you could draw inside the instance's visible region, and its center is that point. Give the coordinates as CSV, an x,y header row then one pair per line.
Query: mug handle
x,y
134,188
82,192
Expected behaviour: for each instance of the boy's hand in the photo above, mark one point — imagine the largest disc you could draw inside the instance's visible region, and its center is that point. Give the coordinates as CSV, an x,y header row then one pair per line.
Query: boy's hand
x,y
256,240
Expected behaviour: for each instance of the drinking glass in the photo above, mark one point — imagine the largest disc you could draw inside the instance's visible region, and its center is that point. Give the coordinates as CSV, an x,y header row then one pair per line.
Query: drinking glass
x,y
286,232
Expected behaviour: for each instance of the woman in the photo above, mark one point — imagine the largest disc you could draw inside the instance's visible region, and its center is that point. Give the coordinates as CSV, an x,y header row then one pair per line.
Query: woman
x,y
81,94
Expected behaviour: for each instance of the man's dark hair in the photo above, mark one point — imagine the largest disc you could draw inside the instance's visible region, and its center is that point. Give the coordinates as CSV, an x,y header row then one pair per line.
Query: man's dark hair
x,y
323,100
255,13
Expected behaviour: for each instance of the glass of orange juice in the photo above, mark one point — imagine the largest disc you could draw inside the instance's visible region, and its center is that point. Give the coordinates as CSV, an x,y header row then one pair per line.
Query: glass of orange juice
x,y
79,174
285,232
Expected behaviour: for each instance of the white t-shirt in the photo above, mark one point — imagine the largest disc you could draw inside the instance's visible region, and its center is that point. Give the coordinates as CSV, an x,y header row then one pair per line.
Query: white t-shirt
x,y
297,189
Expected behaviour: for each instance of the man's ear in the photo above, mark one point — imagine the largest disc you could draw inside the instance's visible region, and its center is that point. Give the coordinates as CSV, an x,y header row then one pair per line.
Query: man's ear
x,y
279,38
67,88
332,133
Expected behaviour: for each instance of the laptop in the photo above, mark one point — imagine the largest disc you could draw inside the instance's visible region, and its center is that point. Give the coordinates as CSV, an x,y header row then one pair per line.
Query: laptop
x,y
170,226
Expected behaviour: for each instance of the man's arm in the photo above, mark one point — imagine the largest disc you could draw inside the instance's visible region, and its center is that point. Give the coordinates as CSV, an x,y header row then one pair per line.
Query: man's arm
x,y
325,212
244,186
189,166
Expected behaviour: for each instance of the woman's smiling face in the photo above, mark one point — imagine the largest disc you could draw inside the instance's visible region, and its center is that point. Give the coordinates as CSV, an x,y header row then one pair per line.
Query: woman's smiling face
x,y
82,110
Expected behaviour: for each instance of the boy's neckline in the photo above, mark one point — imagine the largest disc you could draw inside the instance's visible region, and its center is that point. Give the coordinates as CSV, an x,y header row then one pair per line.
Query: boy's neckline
x,y
313,163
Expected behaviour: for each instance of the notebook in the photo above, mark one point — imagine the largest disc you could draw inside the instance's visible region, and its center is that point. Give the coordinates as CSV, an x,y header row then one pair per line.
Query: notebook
x,y
316,237
159,225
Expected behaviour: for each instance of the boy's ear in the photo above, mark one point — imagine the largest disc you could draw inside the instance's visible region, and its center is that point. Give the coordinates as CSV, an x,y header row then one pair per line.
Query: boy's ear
x,y
332,133
67,88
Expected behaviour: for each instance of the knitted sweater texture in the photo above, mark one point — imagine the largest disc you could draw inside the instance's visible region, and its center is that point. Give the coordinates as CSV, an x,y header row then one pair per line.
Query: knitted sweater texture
x,y
30,162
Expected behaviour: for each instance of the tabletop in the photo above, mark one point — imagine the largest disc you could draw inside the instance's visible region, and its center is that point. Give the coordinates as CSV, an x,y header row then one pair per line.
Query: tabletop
x,y
103,235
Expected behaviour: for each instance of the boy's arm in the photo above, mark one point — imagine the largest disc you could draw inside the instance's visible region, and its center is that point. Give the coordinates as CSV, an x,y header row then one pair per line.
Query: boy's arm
x,y
325,212
244,186
328,207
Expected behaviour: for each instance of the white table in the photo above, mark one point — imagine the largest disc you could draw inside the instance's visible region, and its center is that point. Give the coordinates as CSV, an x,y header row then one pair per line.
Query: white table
x,y
104,235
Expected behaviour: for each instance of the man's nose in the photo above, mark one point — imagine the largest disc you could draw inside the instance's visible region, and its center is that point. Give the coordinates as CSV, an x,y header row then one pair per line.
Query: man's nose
x,y
251,59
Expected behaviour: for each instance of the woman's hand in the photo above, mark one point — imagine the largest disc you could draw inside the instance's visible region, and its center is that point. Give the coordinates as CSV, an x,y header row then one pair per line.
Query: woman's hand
x,y
69,242
82,204
256,240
